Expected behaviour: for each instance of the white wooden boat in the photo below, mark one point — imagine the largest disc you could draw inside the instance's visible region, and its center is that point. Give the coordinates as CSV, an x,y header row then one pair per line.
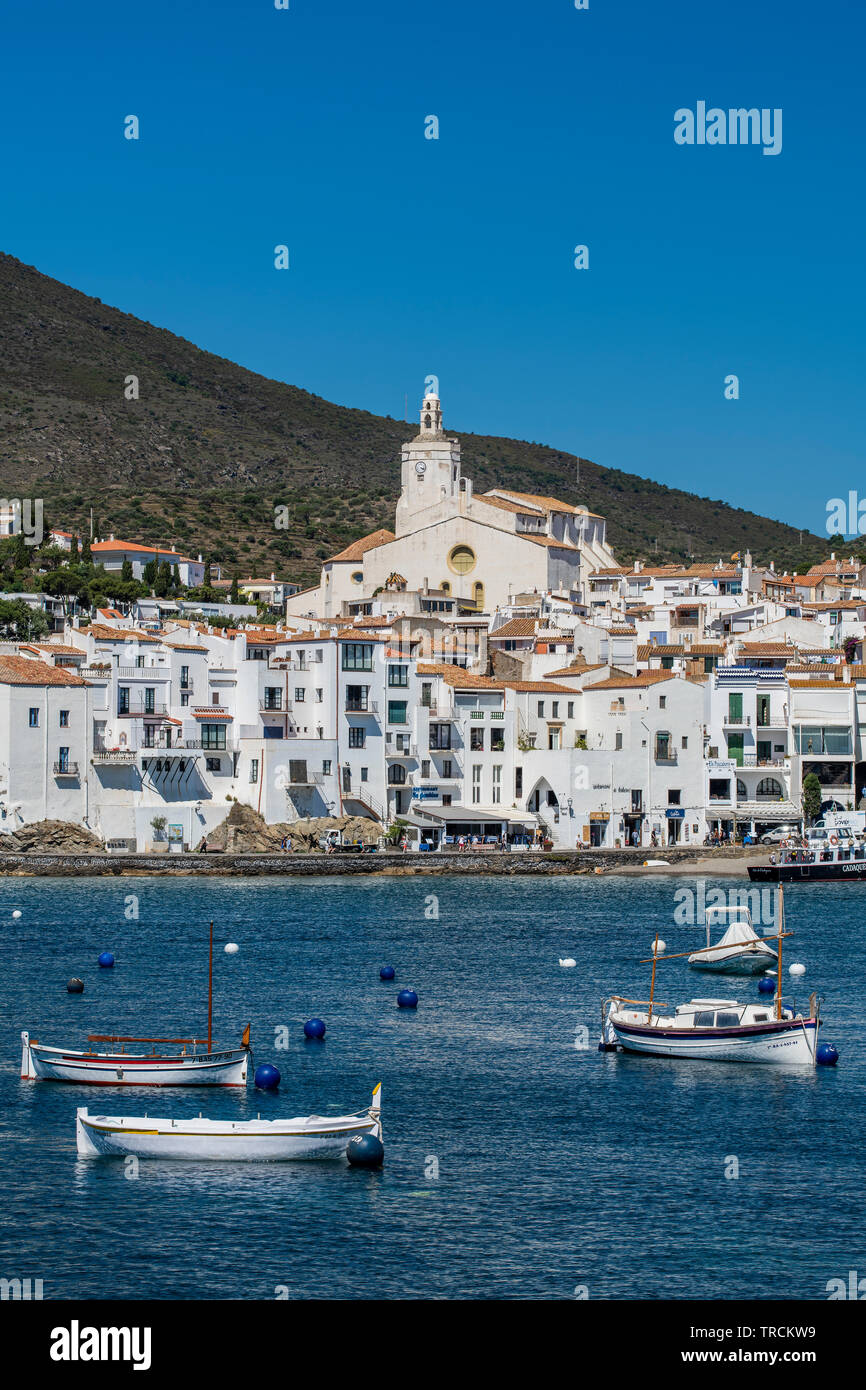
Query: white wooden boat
x,y
268,1141
117,1067
713,1029
740,950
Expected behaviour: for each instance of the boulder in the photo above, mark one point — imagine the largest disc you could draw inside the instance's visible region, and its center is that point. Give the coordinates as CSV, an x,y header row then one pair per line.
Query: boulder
x,y
244,831
51,837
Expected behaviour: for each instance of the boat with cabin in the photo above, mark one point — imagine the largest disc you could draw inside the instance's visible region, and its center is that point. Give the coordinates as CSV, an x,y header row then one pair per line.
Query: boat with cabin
x,y
832,857
713,1029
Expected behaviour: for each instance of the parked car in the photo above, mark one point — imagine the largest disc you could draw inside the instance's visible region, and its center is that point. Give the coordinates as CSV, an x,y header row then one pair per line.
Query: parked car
x,y
779,833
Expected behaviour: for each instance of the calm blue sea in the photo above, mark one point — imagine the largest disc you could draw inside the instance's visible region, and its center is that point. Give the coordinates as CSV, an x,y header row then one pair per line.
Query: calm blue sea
x,y
517,1164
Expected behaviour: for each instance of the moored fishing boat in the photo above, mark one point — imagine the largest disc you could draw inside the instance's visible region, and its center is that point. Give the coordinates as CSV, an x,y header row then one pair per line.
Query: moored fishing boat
x,y
117,1067
740,950
714,1029
269,1141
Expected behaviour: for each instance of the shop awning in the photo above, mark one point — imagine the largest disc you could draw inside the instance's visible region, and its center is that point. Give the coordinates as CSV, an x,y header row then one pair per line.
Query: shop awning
x,y
469,813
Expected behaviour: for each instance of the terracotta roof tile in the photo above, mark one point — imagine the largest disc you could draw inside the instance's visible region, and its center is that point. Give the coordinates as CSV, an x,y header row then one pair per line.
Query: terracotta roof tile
x,y
22,670
458,677
541,687
516,627
626,682
358,549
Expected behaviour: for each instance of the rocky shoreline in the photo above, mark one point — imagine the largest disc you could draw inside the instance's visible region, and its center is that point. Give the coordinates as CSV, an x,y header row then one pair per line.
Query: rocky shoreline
x,y
677,861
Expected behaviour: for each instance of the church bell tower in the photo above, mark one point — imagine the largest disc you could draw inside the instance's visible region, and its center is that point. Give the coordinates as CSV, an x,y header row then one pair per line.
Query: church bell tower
x,y
430,469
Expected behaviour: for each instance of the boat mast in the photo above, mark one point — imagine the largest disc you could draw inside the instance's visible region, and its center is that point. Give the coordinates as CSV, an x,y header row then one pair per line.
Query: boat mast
x,y
649,1017
779,957
210,990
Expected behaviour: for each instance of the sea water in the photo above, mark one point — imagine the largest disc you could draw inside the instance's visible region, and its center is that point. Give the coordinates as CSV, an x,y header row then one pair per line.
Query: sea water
x,y
520,1162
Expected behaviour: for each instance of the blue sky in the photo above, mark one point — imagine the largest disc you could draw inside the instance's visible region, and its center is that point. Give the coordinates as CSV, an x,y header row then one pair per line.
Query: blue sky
x,y
455,256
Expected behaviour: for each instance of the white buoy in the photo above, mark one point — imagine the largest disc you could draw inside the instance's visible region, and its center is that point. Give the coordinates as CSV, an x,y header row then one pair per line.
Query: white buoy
x,y
231,948
659,946
16,914
796,969
566,962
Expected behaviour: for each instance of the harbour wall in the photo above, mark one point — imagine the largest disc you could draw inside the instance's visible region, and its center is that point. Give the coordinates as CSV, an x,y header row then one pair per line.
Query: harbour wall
x,y
389,864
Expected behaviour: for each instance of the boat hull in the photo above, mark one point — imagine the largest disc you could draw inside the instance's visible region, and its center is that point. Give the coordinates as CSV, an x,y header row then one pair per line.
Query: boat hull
x,y
787,1042
247,1141
39,1063
738,963
854,871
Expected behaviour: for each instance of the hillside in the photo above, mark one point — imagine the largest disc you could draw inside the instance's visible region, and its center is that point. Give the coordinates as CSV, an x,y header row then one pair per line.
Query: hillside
x,y
209,449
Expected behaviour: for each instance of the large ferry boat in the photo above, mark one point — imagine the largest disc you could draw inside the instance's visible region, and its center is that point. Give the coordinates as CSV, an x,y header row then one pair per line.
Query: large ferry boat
x,y
844,859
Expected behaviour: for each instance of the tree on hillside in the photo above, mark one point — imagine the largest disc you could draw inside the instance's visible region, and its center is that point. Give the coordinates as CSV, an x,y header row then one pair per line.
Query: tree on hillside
x,y
18,620
234,593
162,584
811,797
63,583
86,553
126,573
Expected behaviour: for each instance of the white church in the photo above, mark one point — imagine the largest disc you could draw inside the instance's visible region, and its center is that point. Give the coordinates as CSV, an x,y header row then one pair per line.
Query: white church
x,y
479,550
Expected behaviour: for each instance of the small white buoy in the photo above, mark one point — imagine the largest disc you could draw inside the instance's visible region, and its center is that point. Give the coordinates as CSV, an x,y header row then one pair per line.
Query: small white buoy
x,y
796,969
566,962
231,948
16,914
659,946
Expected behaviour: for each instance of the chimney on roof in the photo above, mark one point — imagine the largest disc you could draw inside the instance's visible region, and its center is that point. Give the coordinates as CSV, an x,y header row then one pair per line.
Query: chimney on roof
x,y
273,577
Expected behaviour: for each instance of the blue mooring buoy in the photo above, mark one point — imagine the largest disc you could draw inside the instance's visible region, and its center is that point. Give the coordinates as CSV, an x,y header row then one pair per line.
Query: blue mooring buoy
x,y
766,986
106,960
314,1028
365,1151
407,999
267,1077
826,1056
387,972
75,986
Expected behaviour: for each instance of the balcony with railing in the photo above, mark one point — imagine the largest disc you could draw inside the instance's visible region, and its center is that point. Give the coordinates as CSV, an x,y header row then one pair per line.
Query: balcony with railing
x,y
442,710
156,673
120,757
65,768
362,707
137,709
410,751
736,721
666,753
